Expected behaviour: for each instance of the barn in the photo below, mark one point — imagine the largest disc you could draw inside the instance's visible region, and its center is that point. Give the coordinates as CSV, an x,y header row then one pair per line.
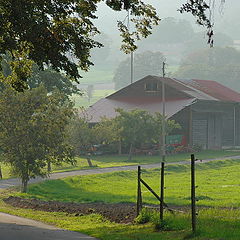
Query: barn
x,y
208,112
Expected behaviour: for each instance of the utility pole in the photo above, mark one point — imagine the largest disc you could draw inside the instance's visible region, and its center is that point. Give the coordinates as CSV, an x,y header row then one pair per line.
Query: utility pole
x,y
131,55
163,145
131,67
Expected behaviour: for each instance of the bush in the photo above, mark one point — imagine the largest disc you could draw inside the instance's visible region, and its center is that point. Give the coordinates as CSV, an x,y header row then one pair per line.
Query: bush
x,y
145,216
168,224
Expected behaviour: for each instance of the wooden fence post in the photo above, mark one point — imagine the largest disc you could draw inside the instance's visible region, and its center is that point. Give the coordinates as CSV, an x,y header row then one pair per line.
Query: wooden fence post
x,y
193,196
139,192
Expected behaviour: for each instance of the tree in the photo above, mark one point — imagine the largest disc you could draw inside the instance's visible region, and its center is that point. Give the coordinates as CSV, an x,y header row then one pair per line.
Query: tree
x,y
80,135
218,64
51,79
146,63
139,127
106,131
32,131
136,127
170,125
47,32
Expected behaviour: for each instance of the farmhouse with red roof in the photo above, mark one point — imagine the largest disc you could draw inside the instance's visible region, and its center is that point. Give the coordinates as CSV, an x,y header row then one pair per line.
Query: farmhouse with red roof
x,y
208,112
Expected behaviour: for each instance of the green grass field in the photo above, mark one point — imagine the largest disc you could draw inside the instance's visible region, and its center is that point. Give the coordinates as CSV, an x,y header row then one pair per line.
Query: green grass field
x,y
218,187
82,101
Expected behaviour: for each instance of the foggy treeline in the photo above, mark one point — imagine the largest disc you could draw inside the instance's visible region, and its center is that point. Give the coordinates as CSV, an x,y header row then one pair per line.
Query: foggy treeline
x,y
180,41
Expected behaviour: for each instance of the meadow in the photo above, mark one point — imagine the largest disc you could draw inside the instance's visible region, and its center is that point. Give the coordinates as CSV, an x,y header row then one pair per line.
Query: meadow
x,y
218,193
218,206
218,186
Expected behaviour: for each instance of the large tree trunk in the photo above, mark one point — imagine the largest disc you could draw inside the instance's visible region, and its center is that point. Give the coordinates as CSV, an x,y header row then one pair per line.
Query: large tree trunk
x,y
130,152
24,185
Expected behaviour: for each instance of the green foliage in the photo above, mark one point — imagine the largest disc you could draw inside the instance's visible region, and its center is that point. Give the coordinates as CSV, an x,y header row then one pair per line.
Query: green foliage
x,y
80,135
209,223
32,131
146,63
19,68
55,30
135,126
107,131
146,215
170,125
138,127
51,80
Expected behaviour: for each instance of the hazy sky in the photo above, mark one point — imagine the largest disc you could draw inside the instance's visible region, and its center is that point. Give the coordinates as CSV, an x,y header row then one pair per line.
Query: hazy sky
x,y
227,19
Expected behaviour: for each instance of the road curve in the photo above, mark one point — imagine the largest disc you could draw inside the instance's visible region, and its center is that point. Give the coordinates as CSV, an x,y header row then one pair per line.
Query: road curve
x,y
17,228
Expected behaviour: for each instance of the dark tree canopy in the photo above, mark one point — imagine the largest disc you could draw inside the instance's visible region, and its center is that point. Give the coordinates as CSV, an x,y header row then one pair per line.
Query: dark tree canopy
x,y
51,79
48,32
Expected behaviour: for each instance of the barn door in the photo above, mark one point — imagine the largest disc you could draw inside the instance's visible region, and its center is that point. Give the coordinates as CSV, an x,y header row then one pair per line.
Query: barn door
x,y
214,131
199,132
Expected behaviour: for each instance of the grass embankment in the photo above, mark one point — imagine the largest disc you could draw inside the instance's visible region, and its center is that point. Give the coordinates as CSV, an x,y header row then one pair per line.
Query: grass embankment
x,y
218,186
115,160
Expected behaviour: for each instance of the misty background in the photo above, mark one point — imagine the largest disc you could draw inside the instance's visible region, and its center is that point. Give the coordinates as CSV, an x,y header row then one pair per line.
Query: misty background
x,y
177,39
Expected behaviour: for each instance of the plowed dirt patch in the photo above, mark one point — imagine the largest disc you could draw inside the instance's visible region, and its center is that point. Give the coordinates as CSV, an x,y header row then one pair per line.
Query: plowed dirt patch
x,y
119,212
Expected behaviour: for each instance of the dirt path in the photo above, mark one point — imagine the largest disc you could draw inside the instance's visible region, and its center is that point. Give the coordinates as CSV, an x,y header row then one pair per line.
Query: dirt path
x,y
17,228
6,183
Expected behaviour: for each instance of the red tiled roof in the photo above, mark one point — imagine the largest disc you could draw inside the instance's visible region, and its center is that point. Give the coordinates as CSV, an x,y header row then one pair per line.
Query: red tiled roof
x,y
215,90
186,93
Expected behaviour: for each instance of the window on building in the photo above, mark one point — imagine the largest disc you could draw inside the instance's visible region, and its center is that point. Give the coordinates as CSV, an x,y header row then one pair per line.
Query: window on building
x,y
151,86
